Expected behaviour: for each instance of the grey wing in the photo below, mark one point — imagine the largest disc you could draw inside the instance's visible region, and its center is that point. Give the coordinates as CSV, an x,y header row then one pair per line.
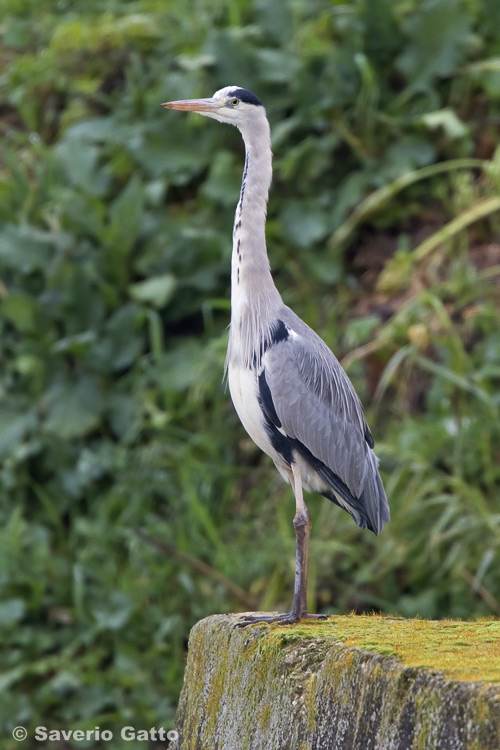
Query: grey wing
x,y
317,408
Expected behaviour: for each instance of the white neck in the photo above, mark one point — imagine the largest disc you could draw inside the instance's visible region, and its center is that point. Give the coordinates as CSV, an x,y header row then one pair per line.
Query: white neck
x,y
250,272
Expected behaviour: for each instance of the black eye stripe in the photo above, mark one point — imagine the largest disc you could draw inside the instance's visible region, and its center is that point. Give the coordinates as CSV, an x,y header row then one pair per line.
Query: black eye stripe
x,y
244,95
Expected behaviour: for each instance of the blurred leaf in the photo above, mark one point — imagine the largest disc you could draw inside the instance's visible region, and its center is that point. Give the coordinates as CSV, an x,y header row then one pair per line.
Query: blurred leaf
x,y
161,154
448,120
125,416
21,310
122,341
114,613
304,222
77,344
277,66
438,34
97,129
25,248
13,428
11,611
80,159
73,408
125,216
156,292
224,182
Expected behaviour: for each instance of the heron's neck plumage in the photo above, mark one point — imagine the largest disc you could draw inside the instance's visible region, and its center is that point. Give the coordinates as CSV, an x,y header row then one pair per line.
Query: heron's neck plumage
x,y
254,297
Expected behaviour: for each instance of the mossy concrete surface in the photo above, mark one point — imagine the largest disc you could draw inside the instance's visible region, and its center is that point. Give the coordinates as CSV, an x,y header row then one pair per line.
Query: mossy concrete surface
x,y
347,683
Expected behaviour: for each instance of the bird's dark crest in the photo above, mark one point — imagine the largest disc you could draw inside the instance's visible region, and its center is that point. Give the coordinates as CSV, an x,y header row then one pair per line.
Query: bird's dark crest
x,y
244,95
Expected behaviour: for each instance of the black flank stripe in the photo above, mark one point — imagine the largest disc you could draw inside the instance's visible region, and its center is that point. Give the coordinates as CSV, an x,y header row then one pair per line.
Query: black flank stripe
x,y
266,401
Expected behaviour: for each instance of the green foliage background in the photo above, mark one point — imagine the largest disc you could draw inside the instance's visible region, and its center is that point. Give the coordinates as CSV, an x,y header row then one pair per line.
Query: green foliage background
x,y
131,501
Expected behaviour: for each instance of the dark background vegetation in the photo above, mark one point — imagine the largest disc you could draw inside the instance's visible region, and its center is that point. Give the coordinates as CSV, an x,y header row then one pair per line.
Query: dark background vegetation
x,y
132,503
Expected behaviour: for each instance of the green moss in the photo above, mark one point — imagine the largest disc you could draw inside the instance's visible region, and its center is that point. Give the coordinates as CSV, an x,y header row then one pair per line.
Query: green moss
x,y
461,650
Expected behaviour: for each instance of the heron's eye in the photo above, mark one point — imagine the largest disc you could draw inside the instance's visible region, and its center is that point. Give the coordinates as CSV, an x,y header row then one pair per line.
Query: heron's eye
x,y
235,102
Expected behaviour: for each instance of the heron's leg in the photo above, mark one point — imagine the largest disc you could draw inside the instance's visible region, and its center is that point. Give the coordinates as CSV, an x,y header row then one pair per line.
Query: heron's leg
x,y
302,525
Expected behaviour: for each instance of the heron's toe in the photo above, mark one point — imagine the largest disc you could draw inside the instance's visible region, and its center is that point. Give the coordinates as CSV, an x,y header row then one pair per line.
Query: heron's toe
x,y
288,618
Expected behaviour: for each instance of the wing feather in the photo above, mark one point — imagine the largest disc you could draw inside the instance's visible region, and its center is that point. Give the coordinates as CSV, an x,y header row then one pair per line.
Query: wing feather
x,y
316,404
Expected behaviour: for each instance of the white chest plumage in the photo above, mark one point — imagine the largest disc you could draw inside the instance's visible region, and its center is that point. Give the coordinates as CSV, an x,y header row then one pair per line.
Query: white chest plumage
x,y
243,386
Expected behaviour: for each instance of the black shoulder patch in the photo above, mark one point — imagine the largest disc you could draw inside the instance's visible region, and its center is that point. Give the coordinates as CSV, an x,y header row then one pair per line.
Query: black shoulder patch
x,y
244,95
278,332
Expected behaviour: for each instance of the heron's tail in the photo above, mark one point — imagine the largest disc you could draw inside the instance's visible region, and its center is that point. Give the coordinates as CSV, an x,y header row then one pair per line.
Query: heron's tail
x,y
373,498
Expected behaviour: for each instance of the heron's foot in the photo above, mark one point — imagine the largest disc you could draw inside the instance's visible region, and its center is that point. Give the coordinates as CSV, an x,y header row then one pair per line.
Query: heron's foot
x,y
288,618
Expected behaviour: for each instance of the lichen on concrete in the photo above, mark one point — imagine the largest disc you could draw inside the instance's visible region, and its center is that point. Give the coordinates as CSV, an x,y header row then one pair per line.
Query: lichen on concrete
x,y
348,683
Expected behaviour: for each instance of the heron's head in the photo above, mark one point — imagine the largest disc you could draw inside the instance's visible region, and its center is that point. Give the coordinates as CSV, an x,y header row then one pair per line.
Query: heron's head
x,y
231,104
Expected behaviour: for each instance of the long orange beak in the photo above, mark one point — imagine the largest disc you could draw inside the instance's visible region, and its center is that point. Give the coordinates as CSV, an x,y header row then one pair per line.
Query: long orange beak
x,y
194,105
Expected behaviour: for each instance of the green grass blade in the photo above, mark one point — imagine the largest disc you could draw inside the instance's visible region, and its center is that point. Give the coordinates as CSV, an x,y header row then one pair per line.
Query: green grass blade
x,y
378,199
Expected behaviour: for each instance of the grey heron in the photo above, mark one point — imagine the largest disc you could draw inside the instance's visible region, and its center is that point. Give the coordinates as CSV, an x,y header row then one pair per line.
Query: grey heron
x,y
289,390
